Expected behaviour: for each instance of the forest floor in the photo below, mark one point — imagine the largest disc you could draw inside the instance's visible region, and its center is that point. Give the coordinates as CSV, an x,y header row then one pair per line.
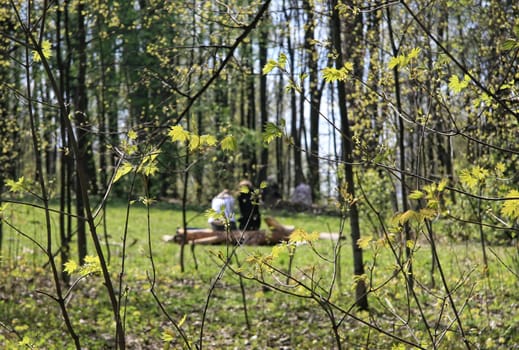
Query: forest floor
x,y
218,309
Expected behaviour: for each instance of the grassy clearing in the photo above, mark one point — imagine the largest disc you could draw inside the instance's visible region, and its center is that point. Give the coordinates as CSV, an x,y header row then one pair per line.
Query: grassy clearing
x,y
273,318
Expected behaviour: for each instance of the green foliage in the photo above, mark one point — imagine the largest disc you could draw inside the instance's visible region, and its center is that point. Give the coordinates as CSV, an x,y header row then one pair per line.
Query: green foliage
x,y
46,51
456,85
90,266
364,242
510,44
197,142
510,208
178,133
125,168
229,143
16,186
273,316
149,165
474,177
272,64
404,60
145,69
301,236
273,131
331,74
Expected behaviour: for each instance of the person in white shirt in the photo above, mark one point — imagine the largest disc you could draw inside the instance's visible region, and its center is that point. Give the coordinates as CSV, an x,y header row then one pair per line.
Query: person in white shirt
x,y
223,204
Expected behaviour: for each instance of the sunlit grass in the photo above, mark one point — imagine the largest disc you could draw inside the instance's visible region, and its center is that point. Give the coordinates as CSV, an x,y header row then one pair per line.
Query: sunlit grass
x,y
485,302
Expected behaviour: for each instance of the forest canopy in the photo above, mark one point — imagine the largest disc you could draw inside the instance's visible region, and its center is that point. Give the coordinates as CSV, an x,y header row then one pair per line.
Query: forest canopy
x,y
429,86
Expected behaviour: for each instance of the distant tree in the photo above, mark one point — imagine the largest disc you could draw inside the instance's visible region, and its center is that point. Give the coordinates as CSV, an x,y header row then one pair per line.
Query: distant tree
x,y
64,155
264,101
296,120
80,101
9,128
315,90
339,41
402,147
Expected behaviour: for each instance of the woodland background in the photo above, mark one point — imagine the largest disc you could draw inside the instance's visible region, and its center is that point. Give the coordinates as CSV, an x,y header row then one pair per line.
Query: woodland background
x,y
402,116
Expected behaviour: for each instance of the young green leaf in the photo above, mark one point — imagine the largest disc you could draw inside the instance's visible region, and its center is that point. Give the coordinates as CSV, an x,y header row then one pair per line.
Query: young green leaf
x,y
406,216
147,201
70,267
91,265
168,336
416,194
363,242
229,143
207,140
132,135
443,183
510,44
15,186
46,50
414,53
194,142
510,206
124,169
150,168
428,213
269,66
480,173
474,177
300,235
331,74
456,85
282,60
272,131
394,61
177,133
181,322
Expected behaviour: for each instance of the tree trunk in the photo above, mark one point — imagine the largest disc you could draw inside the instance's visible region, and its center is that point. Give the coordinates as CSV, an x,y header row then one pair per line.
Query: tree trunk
x,y
64,157
250,168
315,100
80,106
402,158
6,132
263,101
295,133
347,156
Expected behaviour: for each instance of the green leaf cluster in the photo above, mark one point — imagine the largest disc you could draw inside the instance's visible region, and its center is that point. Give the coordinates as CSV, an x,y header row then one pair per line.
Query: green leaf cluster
x,y
147,165
474,177
457,85
301,236
404,60
90,266
271,64
431,193
16,186
510,208
273,131
331,74
197,142
46,51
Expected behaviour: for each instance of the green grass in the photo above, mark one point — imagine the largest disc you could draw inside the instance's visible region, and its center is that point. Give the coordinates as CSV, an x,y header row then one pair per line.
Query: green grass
x,y
276,319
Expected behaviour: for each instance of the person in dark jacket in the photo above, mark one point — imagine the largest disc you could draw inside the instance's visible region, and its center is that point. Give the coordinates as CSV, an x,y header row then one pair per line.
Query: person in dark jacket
x,y
250,219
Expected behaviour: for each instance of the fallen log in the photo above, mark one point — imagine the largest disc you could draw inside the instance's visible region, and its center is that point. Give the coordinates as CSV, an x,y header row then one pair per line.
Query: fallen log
x,y
277,233
195,233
